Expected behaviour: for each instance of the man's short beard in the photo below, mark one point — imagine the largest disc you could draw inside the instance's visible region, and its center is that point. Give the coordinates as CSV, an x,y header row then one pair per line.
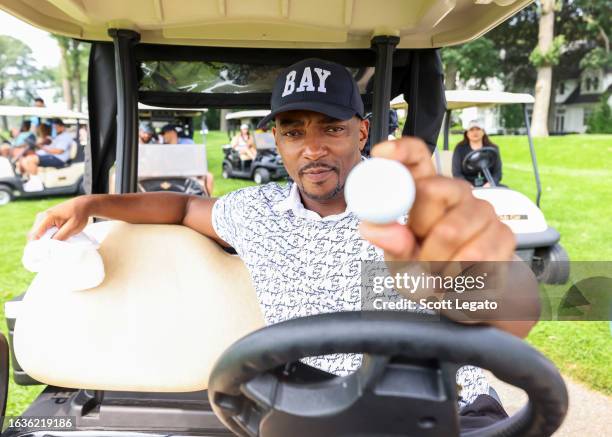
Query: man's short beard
x,y
328,196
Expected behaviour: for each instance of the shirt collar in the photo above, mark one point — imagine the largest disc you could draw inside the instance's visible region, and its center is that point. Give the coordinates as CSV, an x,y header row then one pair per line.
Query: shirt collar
x,y
293,203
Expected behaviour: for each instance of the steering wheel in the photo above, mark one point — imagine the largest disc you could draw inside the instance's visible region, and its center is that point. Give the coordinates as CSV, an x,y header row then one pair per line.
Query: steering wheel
x,y
405,386
483,160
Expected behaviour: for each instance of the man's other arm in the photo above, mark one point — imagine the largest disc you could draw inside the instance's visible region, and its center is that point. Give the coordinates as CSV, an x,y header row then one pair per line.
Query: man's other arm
x,y
152,208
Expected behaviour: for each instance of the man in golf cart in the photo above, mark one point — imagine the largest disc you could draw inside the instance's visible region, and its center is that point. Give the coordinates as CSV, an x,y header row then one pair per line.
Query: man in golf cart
x,y
20,142
294,239
54,155
171,136
146,133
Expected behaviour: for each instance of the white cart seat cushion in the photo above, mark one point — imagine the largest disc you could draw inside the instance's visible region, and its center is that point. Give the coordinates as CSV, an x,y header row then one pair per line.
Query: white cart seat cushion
x,y
171,302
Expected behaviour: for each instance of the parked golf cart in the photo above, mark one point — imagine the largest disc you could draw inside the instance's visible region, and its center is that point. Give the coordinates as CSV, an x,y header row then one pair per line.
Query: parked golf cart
x,y
179,168
536,242
267,164
142,354
67,180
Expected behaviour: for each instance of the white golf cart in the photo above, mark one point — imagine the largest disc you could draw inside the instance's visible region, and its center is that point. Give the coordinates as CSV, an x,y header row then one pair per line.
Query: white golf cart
x,y
536,242
267,164
142,353
180,168
67,180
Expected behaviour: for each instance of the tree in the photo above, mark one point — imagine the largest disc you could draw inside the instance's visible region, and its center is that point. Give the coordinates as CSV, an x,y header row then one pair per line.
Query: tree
x,y
600,121
20,79
515,40
477,60
74,59
585,26
544,57
598,24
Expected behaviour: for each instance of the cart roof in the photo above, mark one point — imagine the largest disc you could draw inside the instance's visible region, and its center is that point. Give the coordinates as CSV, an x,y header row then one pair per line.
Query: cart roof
x,y
258,113
459,99
270,23
143,107
34,111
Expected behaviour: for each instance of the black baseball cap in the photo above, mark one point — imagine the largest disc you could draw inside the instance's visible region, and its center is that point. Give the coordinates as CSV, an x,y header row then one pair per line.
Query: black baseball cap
x,y
315,85
169,127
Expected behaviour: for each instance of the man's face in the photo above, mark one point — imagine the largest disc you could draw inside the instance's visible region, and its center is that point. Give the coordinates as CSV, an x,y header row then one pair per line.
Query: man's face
x,y
59,128
39,104
319,151
145,136
170,137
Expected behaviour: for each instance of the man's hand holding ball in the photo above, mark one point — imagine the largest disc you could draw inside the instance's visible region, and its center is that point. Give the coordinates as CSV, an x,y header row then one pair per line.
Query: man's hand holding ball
x,y
446,223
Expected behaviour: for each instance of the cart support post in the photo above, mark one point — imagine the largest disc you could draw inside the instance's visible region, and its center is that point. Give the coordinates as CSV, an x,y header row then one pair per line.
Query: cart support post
x,y
534,161
126,167
413,96
384,47
447,123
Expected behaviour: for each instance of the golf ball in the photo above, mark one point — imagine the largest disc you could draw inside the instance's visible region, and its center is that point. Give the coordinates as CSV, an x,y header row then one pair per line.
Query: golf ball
x,y
379,190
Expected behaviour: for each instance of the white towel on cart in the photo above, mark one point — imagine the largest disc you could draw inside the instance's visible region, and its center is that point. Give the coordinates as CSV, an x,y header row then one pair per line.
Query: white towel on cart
x,y
74,263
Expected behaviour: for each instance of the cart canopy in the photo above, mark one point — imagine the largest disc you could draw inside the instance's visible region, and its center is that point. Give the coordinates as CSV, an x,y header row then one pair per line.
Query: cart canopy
x,y
460,99
239,115
270,23
34,111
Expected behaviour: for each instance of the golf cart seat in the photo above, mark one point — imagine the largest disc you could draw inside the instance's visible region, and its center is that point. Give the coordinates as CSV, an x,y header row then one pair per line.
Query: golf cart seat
x,y
171,302
74,150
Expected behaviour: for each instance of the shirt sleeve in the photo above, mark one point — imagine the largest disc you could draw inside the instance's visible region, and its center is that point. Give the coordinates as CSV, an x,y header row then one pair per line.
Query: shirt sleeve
x,y
227,216
62,142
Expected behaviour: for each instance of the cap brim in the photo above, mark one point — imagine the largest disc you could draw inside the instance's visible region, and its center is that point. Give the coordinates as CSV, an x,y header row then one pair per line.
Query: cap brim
x,y
329,109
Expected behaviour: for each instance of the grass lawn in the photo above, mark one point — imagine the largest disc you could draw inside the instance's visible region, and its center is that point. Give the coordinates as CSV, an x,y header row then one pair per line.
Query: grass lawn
x,y
575,172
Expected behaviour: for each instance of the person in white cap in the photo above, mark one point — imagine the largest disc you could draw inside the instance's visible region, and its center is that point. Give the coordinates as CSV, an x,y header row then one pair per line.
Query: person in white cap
x,y
475,138
244,143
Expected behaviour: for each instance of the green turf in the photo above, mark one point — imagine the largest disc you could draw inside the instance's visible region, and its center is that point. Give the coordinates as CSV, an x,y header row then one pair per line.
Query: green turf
x,y
575,172
576,198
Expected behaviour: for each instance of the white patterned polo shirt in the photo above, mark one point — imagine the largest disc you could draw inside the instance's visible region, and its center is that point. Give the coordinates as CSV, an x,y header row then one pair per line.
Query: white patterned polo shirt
x,y
302,264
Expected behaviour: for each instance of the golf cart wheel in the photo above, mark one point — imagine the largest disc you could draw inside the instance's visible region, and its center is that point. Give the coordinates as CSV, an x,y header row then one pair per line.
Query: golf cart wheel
x,y
551,264
6,195
226,173
261,176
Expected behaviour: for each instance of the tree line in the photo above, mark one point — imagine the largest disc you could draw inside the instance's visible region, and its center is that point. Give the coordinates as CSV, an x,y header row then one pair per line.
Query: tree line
x,y
534,51
22,80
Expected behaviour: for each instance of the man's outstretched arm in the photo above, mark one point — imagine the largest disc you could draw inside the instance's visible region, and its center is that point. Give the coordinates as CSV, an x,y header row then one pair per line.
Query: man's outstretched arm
x,y
153,208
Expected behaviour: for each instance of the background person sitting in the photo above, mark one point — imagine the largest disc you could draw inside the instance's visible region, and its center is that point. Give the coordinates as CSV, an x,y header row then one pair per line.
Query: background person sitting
x,y
43,135
475,138
146,133
244,143
23,138
170,134
6,144
54,155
